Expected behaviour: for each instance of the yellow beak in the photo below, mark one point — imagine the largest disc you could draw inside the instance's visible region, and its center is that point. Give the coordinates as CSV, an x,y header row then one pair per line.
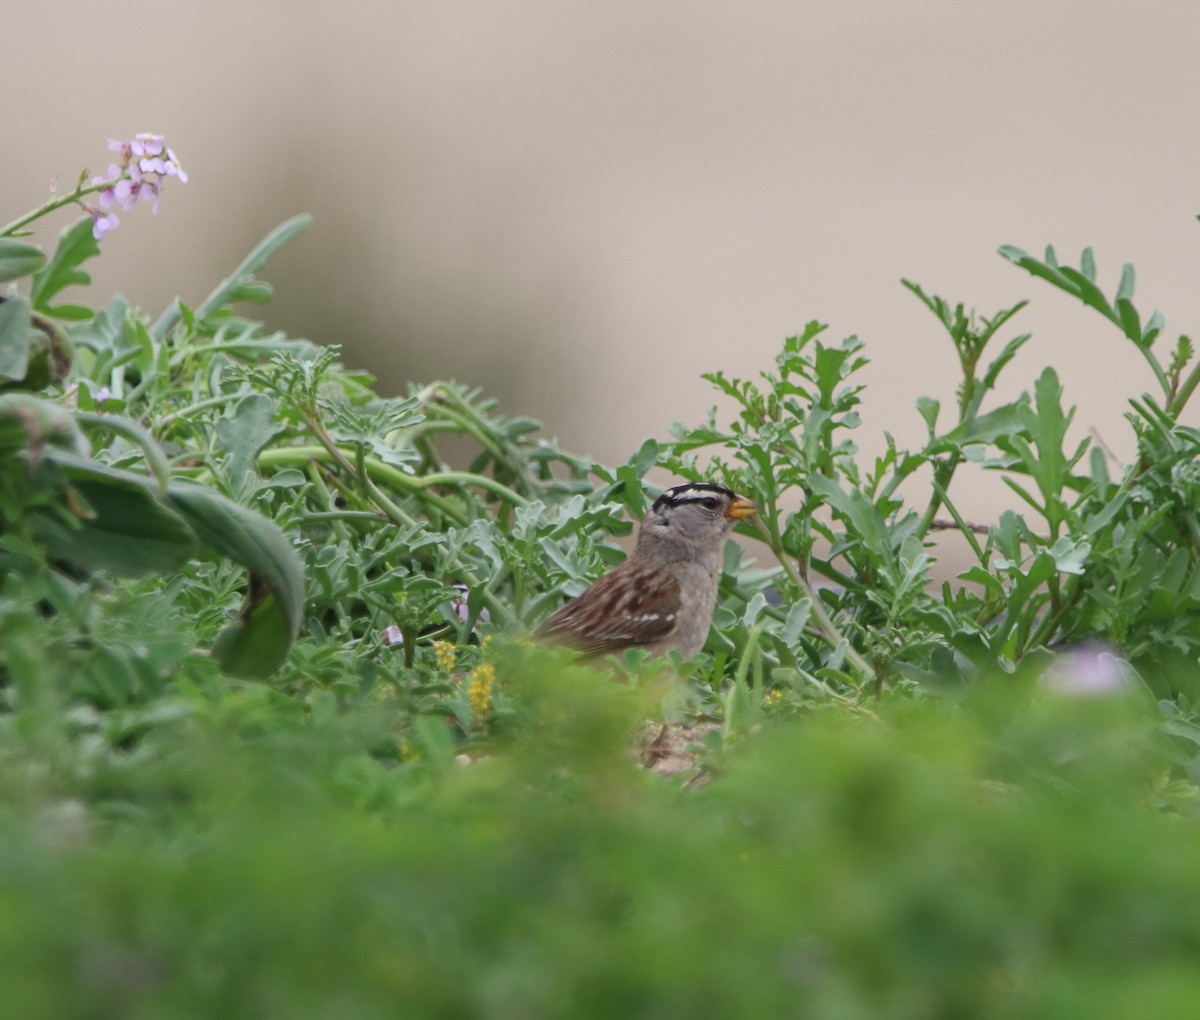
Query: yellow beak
x,y
741,507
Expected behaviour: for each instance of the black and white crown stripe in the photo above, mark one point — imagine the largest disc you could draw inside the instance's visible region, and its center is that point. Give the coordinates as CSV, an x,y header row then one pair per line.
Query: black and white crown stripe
x,y
693,492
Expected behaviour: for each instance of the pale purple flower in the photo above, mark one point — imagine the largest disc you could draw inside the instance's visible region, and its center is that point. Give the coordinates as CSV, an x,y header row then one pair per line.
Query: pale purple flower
x,y
125,192
173,167
146,163
99,397
153,189
103,222
393,635
147,144
1090,670
459,606
106,198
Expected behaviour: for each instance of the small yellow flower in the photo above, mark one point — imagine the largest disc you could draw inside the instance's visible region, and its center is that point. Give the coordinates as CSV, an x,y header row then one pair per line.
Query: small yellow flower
x,y
773,697
479,690
445,654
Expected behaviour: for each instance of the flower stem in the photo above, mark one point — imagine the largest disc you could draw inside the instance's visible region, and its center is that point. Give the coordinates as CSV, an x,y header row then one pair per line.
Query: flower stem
x,y
55,203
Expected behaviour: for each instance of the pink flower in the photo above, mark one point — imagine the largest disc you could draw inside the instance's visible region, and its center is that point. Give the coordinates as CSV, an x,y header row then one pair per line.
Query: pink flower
x,y
459,606
1090,670
103,222
124,192
173,167
147,144
145,165
152,189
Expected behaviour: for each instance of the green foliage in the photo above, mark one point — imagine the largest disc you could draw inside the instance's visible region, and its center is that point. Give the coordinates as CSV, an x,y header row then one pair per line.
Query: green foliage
x,y
272,741
67,512
75,246
903,868
1094,558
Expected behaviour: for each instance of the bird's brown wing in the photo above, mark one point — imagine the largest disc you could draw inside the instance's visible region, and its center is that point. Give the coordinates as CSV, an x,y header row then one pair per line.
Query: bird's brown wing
x,y
625,608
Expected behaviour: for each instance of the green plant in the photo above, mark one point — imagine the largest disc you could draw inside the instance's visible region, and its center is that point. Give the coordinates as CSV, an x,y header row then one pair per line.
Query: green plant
x,y
272,743
1093,558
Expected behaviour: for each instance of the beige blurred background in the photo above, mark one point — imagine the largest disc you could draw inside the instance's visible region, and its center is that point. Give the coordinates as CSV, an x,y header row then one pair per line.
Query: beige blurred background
x,y
583,206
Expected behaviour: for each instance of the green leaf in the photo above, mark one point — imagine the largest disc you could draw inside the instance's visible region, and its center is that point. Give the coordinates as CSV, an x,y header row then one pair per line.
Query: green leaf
x,y
1003,358
985,428
19,258
645,458
1154,326
1072,281
833,364
254,291
1047,270
124,529
985,579
1184,728
1069,556
1128,317
956,323
864,521
240,284
1089,293
259,640
1125,287
132,431
247,432
34,426
1024,493
1047,425
1087,264
15,327
797,620
75,246
1045,461
127,533
1026,582
992,325
928,409
72,313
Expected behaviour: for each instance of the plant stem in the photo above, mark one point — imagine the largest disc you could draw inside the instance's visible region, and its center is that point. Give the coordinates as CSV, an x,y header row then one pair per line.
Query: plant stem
x,y
963,526
56,203
941,483
200,405
1175,407
300,455
829,630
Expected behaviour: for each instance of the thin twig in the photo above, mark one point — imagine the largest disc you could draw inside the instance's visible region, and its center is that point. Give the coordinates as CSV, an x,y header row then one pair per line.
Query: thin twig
x,y
945,524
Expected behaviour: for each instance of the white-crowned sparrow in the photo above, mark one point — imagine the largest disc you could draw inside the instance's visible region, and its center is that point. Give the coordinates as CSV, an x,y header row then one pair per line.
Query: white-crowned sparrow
x,y
663,596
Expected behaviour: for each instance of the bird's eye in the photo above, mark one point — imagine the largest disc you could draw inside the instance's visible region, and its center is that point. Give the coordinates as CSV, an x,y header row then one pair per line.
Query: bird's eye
x,y
709,503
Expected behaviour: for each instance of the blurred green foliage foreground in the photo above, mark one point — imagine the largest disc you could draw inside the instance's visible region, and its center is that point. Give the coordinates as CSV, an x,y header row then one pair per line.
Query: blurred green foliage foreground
x,y
837,868
272,743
